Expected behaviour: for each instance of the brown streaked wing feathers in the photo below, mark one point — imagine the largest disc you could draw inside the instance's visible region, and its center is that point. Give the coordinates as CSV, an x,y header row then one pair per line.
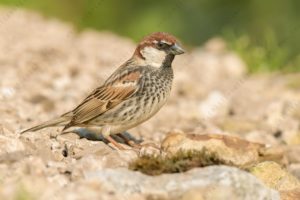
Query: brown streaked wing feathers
x,y
105,98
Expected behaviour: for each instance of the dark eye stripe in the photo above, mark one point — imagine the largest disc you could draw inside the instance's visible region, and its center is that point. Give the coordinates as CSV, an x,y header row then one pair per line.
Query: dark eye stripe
x,y
166,42
162,44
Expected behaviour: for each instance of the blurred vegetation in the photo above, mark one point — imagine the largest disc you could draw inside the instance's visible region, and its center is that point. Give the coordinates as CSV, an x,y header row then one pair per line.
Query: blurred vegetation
x,y
265,33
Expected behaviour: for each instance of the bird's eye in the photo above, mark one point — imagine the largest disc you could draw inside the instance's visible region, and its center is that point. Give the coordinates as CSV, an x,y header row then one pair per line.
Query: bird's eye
x,y
161,45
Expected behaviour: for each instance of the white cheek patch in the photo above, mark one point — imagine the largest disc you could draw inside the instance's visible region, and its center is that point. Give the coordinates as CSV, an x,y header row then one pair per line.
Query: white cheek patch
x,y
153,56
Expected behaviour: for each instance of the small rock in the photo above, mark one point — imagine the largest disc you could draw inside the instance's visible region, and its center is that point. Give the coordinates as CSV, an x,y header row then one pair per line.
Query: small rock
x,y
274,176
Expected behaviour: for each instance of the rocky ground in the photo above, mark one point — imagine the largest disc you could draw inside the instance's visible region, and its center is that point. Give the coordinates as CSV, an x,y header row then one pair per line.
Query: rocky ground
x,y
47,68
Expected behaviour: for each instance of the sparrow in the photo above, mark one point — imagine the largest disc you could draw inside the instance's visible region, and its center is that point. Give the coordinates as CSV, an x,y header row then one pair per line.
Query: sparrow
x,y
131,95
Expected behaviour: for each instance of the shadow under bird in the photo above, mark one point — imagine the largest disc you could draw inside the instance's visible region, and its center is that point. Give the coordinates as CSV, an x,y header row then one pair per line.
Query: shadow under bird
x,y
131,95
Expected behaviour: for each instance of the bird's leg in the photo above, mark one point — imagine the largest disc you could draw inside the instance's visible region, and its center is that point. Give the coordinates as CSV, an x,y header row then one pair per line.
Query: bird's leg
x,y
129,141
106,135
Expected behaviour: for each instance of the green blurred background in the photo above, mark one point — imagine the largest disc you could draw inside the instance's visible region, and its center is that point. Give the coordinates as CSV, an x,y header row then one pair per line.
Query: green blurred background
x,y
265,33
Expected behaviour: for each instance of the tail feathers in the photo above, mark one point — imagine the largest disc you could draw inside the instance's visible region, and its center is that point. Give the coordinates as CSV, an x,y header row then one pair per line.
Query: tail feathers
x,y
61,121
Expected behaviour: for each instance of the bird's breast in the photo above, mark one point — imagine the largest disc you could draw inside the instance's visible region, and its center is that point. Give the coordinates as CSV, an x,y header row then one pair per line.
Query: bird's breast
x,y
145,103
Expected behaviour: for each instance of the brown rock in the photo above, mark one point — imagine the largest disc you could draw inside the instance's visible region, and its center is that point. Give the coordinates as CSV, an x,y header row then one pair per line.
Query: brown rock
x,y
231,150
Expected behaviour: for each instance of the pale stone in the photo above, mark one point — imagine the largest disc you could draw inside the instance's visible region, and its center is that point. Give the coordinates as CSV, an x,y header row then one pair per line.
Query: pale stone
x,y
241,184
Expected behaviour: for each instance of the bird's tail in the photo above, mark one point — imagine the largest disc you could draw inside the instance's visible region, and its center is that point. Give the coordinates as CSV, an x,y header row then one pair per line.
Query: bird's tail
x,y
60,121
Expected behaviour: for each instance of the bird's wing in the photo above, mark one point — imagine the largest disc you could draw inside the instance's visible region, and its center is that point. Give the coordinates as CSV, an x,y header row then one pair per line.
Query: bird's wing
x,y
104,98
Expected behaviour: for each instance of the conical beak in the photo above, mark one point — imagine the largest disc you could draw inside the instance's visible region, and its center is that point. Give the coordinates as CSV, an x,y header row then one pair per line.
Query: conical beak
x,y
176,49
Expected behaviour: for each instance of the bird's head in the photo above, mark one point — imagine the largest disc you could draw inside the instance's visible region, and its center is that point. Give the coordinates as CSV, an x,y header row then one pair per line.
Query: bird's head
x,y
158,48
